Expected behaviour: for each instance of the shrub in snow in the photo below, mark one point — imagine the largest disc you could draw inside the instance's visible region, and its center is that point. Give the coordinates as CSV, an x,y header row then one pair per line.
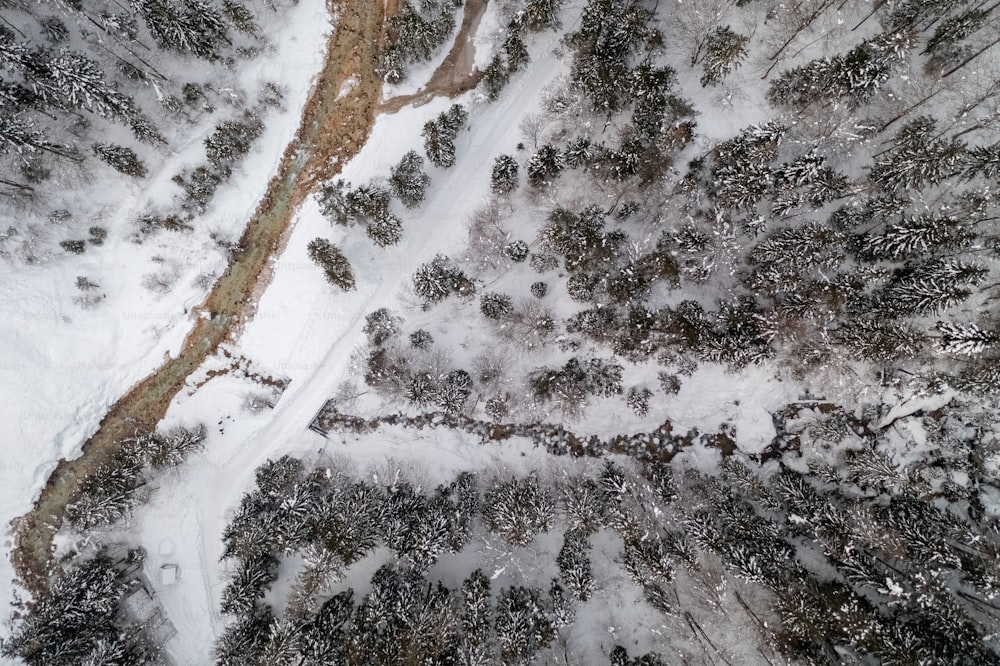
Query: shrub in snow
x,y
638,399
669,384
516,251
74,246
381,325
542,263
421,339
497,409
539,289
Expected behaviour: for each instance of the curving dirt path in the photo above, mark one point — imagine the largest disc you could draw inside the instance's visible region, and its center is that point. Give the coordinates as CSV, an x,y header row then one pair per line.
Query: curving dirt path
x,y
335,125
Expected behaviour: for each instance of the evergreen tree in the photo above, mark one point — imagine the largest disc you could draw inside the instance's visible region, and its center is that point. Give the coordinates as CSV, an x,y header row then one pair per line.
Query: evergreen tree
x,y
967,339
477,620
333,202
545,166
385,229
494,305
724,50
243,642
504,179
231,140
408,180
945,46
541,15
521,626
192,27
121,159
334,264
250,580
518,509
878,340
435,281
517,251
916,236
77,620
932,287
71,80
324,636
439,135
918,158
574,564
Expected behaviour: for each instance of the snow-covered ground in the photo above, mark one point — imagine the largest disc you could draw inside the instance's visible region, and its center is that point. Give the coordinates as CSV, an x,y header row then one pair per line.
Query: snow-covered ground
x,y
62,367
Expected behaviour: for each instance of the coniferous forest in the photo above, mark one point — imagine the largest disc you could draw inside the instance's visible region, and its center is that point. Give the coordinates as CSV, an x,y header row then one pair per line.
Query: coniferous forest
x,y
804,190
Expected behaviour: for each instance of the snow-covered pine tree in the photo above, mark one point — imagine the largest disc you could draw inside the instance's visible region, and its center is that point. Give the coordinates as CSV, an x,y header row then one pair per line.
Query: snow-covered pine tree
x,y
435,281
522,629
324,637
495,305
243,641
918,158
192,27
946,46
231,140
504,179
121,158
408,180
916,236
544,166
334,264
540,15
385,228
477,620
574,564
965,339
440,133
71,80
249,582
879,340
724,50
518,509
932,287
333,202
